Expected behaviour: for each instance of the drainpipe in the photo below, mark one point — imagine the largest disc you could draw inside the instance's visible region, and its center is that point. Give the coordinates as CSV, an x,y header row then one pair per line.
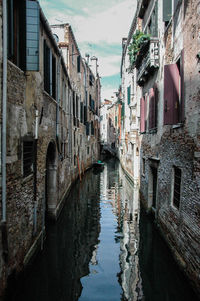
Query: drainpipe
x,y
57,106
3,146
35,172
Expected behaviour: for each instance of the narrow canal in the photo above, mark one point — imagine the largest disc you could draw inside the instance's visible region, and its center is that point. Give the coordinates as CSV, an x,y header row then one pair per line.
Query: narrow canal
x,y
103,248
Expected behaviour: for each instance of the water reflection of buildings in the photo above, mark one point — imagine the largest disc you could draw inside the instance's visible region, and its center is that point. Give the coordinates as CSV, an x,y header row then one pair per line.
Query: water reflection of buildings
x,y
69,247
128,228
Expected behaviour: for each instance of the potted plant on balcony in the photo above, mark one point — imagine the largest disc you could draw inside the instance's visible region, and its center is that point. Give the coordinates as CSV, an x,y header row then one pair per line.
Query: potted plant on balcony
x,y
138,46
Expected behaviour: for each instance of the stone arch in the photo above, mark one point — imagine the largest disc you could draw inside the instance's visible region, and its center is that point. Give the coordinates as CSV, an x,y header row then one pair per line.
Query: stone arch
x,y
51,180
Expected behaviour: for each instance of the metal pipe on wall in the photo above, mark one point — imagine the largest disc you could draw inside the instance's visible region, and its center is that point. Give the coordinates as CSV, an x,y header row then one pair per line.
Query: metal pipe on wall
x,y
4,112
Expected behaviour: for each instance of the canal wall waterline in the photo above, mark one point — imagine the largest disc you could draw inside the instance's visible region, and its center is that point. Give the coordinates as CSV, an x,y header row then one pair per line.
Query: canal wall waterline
x,y
163,230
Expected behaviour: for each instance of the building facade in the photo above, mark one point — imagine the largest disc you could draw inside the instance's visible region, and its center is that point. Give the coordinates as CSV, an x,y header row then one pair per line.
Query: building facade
x,y
162,56
47,140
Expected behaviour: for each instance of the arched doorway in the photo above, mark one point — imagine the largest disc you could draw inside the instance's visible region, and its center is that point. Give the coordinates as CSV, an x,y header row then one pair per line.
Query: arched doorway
x,y
51,181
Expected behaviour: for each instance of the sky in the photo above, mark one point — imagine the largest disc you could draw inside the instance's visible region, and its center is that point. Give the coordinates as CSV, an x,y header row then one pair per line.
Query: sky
x,y
98,26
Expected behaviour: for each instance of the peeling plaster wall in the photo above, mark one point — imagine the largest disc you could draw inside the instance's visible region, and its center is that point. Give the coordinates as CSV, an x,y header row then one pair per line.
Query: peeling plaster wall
x,y
178,146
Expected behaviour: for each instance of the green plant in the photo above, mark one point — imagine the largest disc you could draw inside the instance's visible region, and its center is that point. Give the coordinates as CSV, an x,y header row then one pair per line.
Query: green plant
x,y
137,42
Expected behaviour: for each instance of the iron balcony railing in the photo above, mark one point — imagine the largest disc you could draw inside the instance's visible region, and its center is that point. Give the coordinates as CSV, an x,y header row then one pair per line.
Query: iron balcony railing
x,y
148,62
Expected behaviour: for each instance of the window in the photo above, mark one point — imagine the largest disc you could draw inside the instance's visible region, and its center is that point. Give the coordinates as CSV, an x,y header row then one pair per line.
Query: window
x,y
78,63
143,166
28,151
92,128
64,95
49,71
88,150
74,108
23,34
143,114
63,149
85,114
90,80
129,95
90,100
167,11
77,106
153,26
87,128
73,54
153,108
82,111
174,92
176,187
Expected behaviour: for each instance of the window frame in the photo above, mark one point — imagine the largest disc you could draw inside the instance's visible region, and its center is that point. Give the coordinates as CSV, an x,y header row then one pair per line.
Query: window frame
x,y
174,176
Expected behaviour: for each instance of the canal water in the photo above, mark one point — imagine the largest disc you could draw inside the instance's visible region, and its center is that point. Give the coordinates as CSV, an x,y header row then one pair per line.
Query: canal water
x,y
103,248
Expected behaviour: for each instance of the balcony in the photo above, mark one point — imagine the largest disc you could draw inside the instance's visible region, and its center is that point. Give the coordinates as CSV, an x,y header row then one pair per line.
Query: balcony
x,y
147,61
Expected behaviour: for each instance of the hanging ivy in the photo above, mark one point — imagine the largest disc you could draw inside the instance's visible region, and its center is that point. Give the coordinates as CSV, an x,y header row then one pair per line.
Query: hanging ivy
x,y
139,39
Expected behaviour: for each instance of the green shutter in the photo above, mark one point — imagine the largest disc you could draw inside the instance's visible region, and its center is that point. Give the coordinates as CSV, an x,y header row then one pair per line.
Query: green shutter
x,y
167,10
175,4
129,95
32,36
122,111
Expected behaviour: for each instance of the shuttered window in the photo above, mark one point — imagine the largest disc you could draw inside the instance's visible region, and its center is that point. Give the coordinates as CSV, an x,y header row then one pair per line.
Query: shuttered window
x,y
153,108
92,128
167,10
122,110
90,80
23,34
87,128
182,104
10,29
50,70
53,77
175,4
16,16
129,95
173,93
142,115
46,61
145,111
177,187
85,114
81,106
32,36
78,63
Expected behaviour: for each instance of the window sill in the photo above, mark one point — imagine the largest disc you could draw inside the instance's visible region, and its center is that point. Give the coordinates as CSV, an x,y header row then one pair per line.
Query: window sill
x,y
18,68
176,126
153,131
47,94
27,178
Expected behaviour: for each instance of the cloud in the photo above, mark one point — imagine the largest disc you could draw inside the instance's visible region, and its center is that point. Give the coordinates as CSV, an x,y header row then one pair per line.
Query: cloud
x,y
109,25
107,92
99,27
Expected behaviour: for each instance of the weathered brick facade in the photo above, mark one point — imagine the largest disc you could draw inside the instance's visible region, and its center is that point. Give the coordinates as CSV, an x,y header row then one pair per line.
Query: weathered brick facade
x,y
46,151
170,152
